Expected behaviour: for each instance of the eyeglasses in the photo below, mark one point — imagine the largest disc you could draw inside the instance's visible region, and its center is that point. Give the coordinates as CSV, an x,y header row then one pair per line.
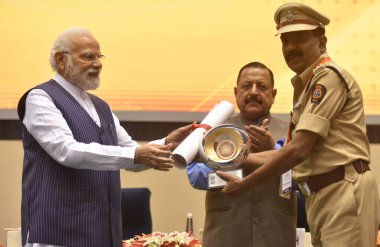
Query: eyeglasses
x,y
88,57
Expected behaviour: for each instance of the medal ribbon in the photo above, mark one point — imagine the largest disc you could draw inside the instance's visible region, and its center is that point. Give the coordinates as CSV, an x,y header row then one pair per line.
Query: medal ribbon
x,y
196,126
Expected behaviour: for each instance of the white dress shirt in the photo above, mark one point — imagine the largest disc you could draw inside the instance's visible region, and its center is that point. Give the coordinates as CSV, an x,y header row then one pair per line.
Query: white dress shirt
x,y
46,124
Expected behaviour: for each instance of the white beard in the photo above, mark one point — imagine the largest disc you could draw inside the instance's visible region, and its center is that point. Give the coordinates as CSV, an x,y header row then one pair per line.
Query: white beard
x,y
80,78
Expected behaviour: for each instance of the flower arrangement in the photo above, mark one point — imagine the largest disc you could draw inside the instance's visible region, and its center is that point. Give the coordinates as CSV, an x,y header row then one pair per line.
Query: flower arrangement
x,y
159,239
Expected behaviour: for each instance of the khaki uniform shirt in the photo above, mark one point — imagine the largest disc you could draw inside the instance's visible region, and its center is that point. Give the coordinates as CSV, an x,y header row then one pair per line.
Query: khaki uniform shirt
x,y
323,105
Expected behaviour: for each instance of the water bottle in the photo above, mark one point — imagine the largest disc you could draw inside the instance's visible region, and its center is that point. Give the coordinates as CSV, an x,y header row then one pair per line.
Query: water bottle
x,y
189,224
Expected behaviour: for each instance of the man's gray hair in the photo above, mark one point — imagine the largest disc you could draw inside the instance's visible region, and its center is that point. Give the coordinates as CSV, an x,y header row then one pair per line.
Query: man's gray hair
x,y
63,43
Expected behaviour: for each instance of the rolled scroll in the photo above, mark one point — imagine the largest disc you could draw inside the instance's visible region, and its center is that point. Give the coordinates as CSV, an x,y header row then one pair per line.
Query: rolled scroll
x,y
185,153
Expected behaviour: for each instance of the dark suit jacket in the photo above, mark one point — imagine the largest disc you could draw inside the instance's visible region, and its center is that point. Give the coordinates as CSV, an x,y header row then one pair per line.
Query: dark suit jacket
x,y
258,218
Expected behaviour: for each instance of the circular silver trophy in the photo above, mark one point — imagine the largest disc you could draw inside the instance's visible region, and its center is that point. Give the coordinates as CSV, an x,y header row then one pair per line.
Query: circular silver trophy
x,y
223,148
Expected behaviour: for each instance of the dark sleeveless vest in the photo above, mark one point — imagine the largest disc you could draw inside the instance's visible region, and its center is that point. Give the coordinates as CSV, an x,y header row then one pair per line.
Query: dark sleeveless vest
x,y
66,206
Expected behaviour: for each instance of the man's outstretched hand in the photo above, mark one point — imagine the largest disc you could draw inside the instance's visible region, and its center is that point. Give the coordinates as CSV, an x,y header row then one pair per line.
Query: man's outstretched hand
x,y
178,135
155,156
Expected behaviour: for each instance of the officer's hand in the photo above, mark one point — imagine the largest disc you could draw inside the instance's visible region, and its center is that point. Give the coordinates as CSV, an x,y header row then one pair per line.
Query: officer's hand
x,y
234,186
155,156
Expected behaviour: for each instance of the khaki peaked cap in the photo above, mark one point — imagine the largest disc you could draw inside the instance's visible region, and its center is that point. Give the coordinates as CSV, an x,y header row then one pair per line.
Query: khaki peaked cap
x,y
292,17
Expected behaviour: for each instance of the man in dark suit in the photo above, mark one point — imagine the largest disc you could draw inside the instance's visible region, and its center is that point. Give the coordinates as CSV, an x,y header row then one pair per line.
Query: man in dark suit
x,y
260,218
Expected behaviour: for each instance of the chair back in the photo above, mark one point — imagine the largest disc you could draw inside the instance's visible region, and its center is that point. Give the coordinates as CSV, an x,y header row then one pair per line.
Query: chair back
x,y
135,211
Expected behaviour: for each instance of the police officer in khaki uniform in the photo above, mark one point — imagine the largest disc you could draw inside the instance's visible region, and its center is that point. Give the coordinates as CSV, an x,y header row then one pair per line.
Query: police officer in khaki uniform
x,y
327,144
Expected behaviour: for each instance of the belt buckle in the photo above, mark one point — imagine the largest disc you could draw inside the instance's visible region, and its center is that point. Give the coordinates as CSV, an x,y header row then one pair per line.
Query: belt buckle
x,y
304,189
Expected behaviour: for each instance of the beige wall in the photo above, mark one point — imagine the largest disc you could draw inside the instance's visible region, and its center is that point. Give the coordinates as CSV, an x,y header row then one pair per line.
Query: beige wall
x,y
172,197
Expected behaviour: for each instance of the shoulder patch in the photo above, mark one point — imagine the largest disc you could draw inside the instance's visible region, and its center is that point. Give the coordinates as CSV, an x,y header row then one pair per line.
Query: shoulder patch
x,y
319,68
319,91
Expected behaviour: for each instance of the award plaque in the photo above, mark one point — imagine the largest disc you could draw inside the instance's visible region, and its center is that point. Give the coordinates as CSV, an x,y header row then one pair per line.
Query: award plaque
x,y
185,153
223,148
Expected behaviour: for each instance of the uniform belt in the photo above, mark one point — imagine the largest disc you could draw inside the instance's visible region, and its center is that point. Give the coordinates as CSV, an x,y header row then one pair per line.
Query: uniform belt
x,y
313,184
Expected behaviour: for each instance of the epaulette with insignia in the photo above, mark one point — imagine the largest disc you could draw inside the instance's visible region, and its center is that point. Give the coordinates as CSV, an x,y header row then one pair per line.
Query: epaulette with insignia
x,y
319,68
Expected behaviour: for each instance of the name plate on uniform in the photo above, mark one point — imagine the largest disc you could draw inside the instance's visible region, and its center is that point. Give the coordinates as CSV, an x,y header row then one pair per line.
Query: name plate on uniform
x,y
215,182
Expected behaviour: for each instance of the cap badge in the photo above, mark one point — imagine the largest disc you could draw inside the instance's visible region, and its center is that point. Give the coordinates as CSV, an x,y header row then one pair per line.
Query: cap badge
x,y
289,16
